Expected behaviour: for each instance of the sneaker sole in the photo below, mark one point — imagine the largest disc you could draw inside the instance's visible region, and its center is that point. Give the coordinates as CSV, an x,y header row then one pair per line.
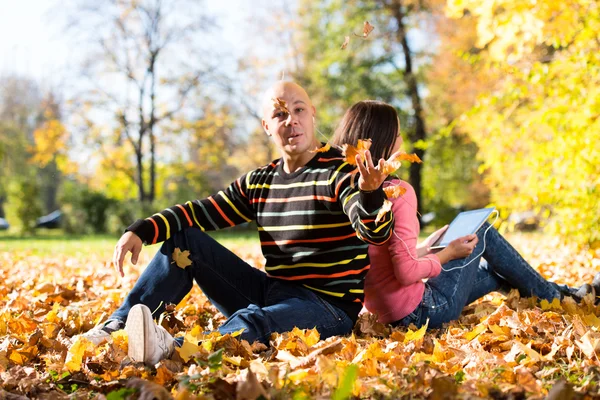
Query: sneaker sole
x,y
138,327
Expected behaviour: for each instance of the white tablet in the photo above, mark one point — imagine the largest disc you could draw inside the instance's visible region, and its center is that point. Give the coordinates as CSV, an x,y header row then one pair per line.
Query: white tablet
x,y
465,223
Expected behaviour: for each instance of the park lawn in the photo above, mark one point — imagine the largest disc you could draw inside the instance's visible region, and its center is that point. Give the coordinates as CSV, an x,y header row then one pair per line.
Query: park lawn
x,y
57,242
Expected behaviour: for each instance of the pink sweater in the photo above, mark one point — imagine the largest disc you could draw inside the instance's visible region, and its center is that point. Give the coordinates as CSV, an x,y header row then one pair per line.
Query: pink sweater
x,y
394,286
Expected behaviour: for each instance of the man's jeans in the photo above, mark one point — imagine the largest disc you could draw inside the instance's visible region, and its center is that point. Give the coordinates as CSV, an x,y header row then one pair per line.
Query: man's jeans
x,y
245,295
502,269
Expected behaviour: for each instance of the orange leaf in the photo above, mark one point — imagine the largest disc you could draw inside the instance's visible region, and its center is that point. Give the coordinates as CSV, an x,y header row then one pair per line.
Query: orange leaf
x,y
280,105
346,41
392,165
408,157
367,28
323,149
181,258
350,152
395,191
387,206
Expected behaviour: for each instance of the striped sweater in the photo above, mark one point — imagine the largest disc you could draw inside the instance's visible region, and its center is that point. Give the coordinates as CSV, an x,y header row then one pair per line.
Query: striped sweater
x,y
314,224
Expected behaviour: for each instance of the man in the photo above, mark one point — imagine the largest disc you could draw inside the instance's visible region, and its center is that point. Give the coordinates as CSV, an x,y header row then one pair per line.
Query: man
x,y
314,221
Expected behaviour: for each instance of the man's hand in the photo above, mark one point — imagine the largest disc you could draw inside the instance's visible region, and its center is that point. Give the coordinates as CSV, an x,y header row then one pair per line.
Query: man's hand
x,y
458,248
128,242
424,247
371,176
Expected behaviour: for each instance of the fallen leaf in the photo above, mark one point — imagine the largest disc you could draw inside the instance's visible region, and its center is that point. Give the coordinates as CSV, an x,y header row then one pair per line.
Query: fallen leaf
x,y
181,258
249,388
149,390
412,336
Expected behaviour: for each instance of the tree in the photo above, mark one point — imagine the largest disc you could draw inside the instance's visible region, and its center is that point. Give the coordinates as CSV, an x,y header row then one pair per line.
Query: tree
x,y
145,59
537,131
20,100
381,65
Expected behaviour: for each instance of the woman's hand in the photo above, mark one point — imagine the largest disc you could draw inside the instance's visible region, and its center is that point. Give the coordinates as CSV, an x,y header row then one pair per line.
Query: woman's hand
x,y
424,247
371,176
458,248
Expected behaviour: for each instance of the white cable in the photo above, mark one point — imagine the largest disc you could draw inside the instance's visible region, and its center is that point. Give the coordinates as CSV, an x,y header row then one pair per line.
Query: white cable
x,y
459,267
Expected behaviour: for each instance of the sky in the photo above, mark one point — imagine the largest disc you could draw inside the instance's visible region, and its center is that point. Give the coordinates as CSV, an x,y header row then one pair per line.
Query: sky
x,y
33,42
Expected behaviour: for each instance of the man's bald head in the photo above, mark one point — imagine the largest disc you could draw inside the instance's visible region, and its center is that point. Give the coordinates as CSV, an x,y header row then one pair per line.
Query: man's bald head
x,y
281,90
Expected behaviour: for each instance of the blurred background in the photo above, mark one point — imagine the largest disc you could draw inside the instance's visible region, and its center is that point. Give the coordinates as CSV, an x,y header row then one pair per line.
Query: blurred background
x,y
112,110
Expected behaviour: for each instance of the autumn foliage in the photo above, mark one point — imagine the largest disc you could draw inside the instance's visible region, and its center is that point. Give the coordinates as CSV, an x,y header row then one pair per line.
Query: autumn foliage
x,y
500,346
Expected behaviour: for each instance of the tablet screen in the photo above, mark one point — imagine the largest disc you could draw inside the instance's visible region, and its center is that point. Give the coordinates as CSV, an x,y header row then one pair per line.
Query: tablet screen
x,y
465,223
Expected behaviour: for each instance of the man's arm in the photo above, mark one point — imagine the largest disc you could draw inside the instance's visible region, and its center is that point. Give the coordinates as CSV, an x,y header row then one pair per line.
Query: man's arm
x,y
222,210
227,208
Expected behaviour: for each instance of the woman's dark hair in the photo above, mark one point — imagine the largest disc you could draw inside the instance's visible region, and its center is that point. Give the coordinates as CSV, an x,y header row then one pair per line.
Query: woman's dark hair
x,y
369,119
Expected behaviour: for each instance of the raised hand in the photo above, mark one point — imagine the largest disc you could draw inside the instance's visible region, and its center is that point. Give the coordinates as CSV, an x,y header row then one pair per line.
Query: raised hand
x,y
371,176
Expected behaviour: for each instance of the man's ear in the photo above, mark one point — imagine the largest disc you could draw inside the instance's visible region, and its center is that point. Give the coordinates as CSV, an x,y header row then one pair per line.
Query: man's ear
x,y
265,127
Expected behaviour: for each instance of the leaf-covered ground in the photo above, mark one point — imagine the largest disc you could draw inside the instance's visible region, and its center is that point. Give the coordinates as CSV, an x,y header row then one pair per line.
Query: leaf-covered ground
x,y
502,347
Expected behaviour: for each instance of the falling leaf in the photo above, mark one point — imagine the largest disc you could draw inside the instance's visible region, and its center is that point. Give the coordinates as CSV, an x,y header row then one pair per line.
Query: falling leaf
x,y
323,149
394,191
367,28
350,152
346,42
280,105
385,208
181,258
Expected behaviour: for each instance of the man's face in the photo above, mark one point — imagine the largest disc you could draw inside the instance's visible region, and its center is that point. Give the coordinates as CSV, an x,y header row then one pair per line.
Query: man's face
x,y
293,132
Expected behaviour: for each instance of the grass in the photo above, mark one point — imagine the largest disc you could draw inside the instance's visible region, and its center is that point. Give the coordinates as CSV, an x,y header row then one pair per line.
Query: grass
x,y
47,242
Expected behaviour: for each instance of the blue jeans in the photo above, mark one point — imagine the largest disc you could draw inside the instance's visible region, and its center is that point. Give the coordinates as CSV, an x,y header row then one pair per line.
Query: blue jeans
x,y
248,297
501,269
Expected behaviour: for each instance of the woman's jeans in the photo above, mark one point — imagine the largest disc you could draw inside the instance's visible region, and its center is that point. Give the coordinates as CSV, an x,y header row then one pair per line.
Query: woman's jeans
x,y
248,297
502,269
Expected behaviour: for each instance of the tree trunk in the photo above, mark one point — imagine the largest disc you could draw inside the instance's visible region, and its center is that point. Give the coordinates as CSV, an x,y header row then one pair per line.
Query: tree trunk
x,y
418,132
140,175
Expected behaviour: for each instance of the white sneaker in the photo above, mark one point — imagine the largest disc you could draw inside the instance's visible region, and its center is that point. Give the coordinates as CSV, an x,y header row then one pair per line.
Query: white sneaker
x,y
148,342
101,332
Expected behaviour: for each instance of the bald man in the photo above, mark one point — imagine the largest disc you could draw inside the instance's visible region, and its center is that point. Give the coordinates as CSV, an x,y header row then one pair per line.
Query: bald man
x,y
315,220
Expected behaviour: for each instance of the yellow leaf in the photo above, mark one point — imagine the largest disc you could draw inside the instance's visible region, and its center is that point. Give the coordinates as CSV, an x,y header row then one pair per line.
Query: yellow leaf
x,y
76,353
480,328
238,332
181,258
416,335
546,305
22,356
187,350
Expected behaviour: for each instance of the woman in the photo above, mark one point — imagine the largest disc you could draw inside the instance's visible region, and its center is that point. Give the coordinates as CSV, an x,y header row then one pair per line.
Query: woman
x,y
469,268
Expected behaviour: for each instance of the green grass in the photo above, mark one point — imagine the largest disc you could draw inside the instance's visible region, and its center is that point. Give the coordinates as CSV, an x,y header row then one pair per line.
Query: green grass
x,y
55,241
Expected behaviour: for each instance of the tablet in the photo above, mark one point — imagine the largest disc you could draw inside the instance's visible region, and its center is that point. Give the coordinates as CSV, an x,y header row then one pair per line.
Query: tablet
x,y
465,223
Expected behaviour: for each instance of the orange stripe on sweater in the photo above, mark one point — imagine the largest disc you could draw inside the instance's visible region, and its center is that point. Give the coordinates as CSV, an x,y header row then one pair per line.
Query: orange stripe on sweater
x,y
155,230
327,239
221,211
316,276
186,214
